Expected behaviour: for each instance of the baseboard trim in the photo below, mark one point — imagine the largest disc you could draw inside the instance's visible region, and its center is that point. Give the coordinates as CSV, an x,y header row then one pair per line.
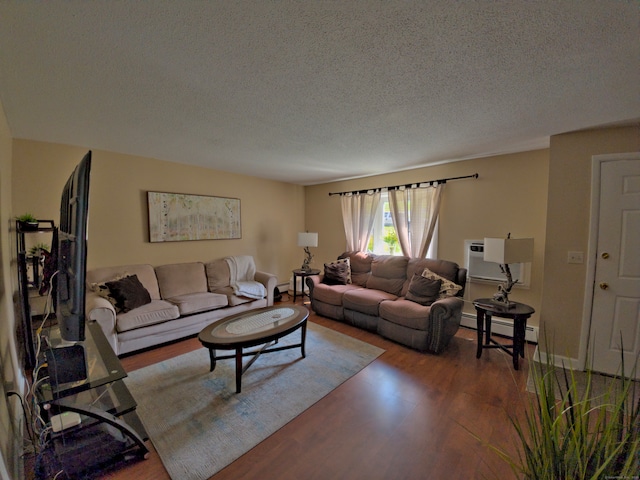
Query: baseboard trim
x,y
557,361
500,326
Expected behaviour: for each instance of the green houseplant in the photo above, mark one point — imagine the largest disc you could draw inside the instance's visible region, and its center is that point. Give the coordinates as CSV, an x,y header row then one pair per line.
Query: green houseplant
x,y
572,432
391,239
36,250
27,221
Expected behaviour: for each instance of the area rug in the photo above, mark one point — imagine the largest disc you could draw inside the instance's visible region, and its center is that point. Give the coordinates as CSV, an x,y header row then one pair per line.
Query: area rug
x,y
198,424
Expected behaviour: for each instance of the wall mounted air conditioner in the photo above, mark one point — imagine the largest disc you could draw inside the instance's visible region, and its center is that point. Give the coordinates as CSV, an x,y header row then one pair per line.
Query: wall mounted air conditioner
x,y
480,271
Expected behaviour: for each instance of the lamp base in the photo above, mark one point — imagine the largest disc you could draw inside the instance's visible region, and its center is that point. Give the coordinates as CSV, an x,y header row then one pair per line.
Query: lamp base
x,y
497,299
504,289
307,261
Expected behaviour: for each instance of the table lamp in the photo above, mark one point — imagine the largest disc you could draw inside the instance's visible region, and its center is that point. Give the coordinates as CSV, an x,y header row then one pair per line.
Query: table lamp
x,y
505,251
307,240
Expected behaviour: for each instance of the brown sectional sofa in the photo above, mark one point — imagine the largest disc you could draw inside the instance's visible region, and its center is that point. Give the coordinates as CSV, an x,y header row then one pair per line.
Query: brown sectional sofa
x,y
376,299
184,298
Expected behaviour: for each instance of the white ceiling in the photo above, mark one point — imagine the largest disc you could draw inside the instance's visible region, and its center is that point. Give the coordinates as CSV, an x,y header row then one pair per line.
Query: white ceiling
x,y
314,91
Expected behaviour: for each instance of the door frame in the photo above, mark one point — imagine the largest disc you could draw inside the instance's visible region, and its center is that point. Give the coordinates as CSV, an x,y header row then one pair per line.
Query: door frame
x,y
594,223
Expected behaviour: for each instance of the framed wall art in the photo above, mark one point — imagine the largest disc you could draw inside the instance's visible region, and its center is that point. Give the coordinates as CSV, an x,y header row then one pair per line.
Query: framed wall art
x,y
177,217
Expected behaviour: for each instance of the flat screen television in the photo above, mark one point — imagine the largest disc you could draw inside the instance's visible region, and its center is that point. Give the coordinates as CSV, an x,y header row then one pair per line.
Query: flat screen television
x,y
72,253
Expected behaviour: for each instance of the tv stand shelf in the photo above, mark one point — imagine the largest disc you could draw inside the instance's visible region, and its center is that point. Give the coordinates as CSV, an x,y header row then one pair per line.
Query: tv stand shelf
x,y
102,398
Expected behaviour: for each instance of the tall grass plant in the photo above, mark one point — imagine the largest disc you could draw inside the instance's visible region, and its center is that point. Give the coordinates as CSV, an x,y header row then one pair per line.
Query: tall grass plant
x,y
571,432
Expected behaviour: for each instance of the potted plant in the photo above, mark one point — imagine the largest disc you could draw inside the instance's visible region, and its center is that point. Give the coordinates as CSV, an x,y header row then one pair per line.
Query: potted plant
x,y
36,250
27,222
574,430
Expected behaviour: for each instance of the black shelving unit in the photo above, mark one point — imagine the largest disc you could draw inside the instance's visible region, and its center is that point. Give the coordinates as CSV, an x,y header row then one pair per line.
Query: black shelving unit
x,y
27,285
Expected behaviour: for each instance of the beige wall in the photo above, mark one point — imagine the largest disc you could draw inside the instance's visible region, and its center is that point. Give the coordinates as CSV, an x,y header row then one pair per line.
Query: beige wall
x,y
568,216
543,194
510,195
272,212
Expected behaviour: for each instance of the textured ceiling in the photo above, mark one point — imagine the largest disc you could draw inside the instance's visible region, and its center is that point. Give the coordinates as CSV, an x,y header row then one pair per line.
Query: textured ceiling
x,y
315,91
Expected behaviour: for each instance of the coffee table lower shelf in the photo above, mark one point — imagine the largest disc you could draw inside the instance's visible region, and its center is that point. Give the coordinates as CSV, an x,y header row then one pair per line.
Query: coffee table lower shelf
x,y
265,336
241,368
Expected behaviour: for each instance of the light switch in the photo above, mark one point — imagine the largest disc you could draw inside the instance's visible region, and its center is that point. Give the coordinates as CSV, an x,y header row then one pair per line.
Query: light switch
x,y
575,257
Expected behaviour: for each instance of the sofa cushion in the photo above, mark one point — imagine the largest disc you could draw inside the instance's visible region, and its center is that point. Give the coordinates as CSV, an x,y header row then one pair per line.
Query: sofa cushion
x,y
365,300
444,268
447,288
388,273
128,293
157,311
423,290
218,274
360,265
332,294
337,273
232,298
179,279
406,313
198,302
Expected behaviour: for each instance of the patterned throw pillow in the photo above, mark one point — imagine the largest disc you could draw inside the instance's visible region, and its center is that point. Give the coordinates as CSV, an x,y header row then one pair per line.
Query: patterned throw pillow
x,y
101,288
336,273
129,293
345,261
423,290
447,289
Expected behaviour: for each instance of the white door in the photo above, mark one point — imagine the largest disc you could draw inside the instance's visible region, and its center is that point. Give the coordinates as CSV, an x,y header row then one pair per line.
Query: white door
x,y
615,314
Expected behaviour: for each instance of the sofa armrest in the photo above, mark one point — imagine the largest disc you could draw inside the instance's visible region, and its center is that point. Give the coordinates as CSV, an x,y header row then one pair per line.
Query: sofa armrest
x,y
100,310
446,314
312,281
270,282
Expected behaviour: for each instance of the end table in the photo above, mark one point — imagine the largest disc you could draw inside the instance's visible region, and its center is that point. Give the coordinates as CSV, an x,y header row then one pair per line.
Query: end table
x,y
302,274
518,312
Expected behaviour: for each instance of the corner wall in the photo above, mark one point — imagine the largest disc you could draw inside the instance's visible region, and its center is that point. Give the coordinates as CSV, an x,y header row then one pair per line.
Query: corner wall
x,y
568,217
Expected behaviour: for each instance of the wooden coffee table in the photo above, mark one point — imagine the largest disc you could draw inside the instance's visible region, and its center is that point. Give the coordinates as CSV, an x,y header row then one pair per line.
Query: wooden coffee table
x,y
263,326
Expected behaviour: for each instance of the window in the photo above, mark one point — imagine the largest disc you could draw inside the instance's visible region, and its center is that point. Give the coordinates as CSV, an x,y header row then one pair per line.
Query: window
x,y
384,239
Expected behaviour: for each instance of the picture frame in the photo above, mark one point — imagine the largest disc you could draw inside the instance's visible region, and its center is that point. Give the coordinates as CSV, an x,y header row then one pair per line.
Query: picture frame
x,y
179,217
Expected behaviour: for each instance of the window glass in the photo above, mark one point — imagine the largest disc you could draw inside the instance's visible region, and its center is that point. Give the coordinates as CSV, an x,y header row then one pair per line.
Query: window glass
x,y
384,239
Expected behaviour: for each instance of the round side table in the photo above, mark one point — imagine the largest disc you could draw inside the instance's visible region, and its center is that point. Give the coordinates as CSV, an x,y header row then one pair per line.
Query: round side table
x,y
518,312
302,274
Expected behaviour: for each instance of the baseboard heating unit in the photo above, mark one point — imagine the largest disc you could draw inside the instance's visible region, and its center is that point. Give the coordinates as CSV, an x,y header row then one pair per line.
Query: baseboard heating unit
x,y
500,326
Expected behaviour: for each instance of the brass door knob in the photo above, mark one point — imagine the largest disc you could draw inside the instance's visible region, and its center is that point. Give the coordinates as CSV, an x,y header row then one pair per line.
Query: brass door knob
x,y
604,285
605,255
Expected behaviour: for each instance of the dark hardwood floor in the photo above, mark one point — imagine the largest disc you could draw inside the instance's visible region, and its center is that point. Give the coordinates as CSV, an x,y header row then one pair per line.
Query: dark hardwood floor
x,y
407,415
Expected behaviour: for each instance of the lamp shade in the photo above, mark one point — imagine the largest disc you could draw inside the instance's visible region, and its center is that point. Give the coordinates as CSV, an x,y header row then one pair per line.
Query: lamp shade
x,y
307,239
508,250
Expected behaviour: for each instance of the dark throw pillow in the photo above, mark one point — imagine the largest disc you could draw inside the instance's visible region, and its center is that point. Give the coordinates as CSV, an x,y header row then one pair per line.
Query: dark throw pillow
x,y
336,273
128,293
423,290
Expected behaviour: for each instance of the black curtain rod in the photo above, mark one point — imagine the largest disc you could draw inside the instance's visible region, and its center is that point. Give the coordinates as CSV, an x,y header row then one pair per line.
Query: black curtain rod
x,y
407,185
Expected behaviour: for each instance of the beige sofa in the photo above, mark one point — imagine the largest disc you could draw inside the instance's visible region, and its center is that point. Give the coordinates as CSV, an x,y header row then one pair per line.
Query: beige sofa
x,y
382,296
182,299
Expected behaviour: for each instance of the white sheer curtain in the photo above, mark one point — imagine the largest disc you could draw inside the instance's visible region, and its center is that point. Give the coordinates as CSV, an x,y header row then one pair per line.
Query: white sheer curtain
x,y
358,214
414,212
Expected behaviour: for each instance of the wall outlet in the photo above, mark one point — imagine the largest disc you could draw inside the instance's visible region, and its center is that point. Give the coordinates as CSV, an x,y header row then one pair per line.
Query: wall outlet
x,y
575,257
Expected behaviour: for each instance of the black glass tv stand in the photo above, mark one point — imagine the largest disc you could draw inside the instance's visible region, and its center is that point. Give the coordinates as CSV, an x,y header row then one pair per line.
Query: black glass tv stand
x,y
109,424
